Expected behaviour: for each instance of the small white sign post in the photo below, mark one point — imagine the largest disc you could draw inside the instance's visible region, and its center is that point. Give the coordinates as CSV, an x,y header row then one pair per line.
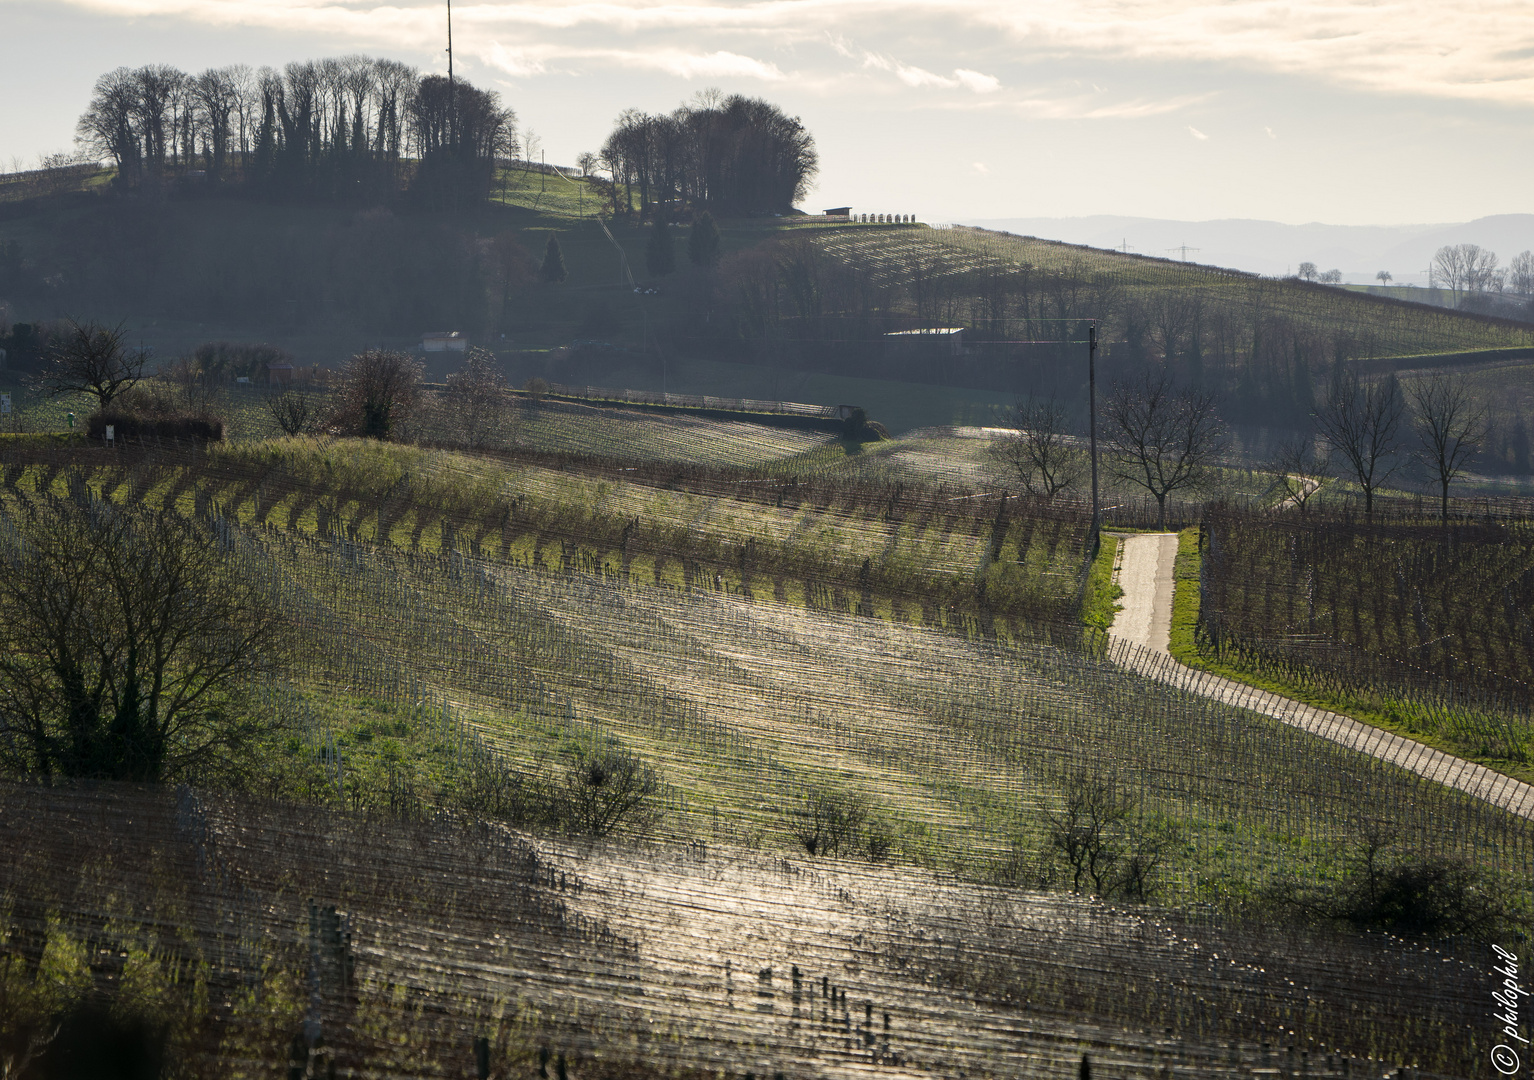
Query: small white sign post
x,y
5,404
111,435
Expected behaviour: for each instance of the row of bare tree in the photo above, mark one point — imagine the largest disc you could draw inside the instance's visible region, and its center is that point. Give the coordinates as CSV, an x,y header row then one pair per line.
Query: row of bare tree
x,y
1163,438
339,114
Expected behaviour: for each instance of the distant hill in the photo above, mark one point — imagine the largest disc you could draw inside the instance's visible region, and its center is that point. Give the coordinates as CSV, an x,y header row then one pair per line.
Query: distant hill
x,y
1276,249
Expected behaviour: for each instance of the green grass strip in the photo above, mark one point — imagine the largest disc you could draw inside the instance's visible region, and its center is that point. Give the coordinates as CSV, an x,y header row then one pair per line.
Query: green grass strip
x,y
1098,602
1398,717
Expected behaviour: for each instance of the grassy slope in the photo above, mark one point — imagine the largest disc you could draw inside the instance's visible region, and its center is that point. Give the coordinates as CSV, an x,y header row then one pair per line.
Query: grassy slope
x,y
1397,328
1399,719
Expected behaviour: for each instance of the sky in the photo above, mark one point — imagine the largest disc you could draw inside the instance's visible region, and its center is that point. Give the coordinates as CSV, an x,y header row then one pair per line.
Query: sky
x,y
1349,112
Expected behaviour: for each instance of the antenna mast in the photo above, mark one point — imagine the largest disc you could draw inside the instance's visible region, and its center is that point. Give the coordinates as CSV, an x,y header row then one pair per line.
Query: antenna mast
x,y
452,102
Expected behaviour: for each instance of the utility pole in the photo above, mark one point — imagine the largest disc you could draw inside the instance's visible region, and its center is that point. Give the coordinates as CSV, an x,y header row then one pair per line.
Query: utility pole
x,y
452,96
1092,431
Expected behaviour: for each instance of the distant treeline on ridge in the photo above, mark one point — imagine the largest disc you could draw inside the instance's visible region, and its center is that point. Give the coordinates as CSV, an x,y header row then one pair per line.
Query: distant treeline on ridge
x,y
360,129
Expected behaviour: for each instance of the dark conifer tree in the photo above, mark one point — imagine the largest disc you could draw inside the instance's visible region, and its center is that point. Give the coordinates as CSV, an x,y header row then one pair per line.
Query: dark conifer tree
x,y
703,241
660,253
553,261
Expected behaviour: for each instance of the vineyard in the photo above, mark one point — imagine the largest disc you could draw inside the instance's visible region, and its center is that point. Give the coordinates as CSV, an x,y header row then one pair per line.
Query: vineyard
x,y
432,948
1424,625
766,641
968,263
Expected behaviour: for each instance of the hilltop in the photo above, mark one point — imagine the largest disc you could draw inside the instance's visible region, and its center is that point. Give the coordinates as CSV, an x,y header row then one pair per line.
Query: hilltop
x,y
796,307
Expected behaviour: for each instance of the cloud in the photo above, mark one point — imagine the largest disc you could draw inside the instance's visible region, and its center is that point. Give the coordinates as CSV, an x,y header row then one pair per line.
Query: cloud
x,y
979,83
980,167
1414,48
975,81
1197,134
1270,133
715,65
1411,47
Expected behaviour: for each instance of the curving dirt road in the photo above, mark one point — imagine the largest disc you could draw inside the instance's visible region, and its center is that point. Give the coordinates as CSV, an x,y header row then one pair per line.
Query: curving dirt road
x,y
1139,638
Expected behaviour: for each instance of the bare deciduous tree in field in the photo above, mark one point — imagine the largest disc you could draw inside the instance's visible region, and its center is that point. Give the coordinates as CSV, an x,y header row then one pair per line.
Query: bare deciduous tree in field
x,y
291,410
1161,438
1362,424
479,398
1102,836
1042,456
94,359
607,789
125,645
1298,471
1465,268
1450,428
378,390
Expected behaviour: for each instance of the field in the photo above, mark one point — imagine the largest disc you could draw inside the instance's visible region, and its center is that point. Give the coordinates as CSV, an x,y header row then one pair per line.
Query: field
x,y
446,659
698,960
1418,627
870,690
970,259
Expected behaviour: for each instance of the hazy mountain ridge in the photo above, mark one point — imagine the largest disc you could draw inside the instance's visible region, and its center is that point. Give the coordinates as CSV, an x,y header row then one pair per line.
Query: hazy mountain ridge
x,y
1274,248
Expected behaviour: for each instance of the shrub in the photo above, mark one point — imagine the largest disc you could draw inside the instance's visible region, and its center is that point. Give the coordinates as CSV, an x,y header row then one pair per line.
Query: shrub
x,y
378,391
1427,896
291,410
828,822
137,415
1108,846
607,789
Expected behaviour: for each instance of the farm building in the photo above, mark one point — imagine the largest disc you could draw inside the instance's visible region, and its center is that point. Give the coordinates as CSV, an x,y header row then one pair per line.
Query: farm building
x,y
445,341
843,212
279,374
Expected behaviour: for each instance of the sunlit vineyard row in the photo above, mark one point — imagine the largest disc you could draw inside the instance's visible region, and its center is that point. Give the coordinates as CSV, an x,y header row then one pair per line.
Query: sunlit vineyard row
x,y
659,960
884,550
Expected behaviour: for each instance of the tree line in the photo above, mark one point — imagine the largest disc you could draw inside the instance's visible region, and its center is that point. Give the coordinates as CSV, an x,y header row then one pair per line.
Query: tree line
x,y
338,126
359,127
735,154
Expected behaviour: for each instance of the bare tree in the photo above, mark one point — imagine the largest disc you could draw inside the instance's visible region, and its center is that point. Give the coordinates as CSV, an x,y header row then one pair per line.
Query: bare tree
x,y
1331,277
1298,471
378,390
1450,428
90,358
828,822
1383,277
292,411
1520,273
126,640
1161,438
217,94
1042,456
1361,422
479,398
109,125
1466,268
607,789
1307,271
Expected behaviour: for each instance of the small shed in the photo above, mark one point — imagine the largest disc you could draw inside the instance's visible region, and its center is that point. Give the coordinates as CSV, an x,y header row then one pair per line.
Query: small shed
x,y
840,212
279,374
445,341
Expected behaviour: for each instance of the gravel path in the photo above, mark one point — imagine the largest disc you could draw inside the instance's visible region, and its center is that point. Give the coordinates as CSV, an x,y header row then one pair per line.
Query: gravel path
x,y
1139,638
